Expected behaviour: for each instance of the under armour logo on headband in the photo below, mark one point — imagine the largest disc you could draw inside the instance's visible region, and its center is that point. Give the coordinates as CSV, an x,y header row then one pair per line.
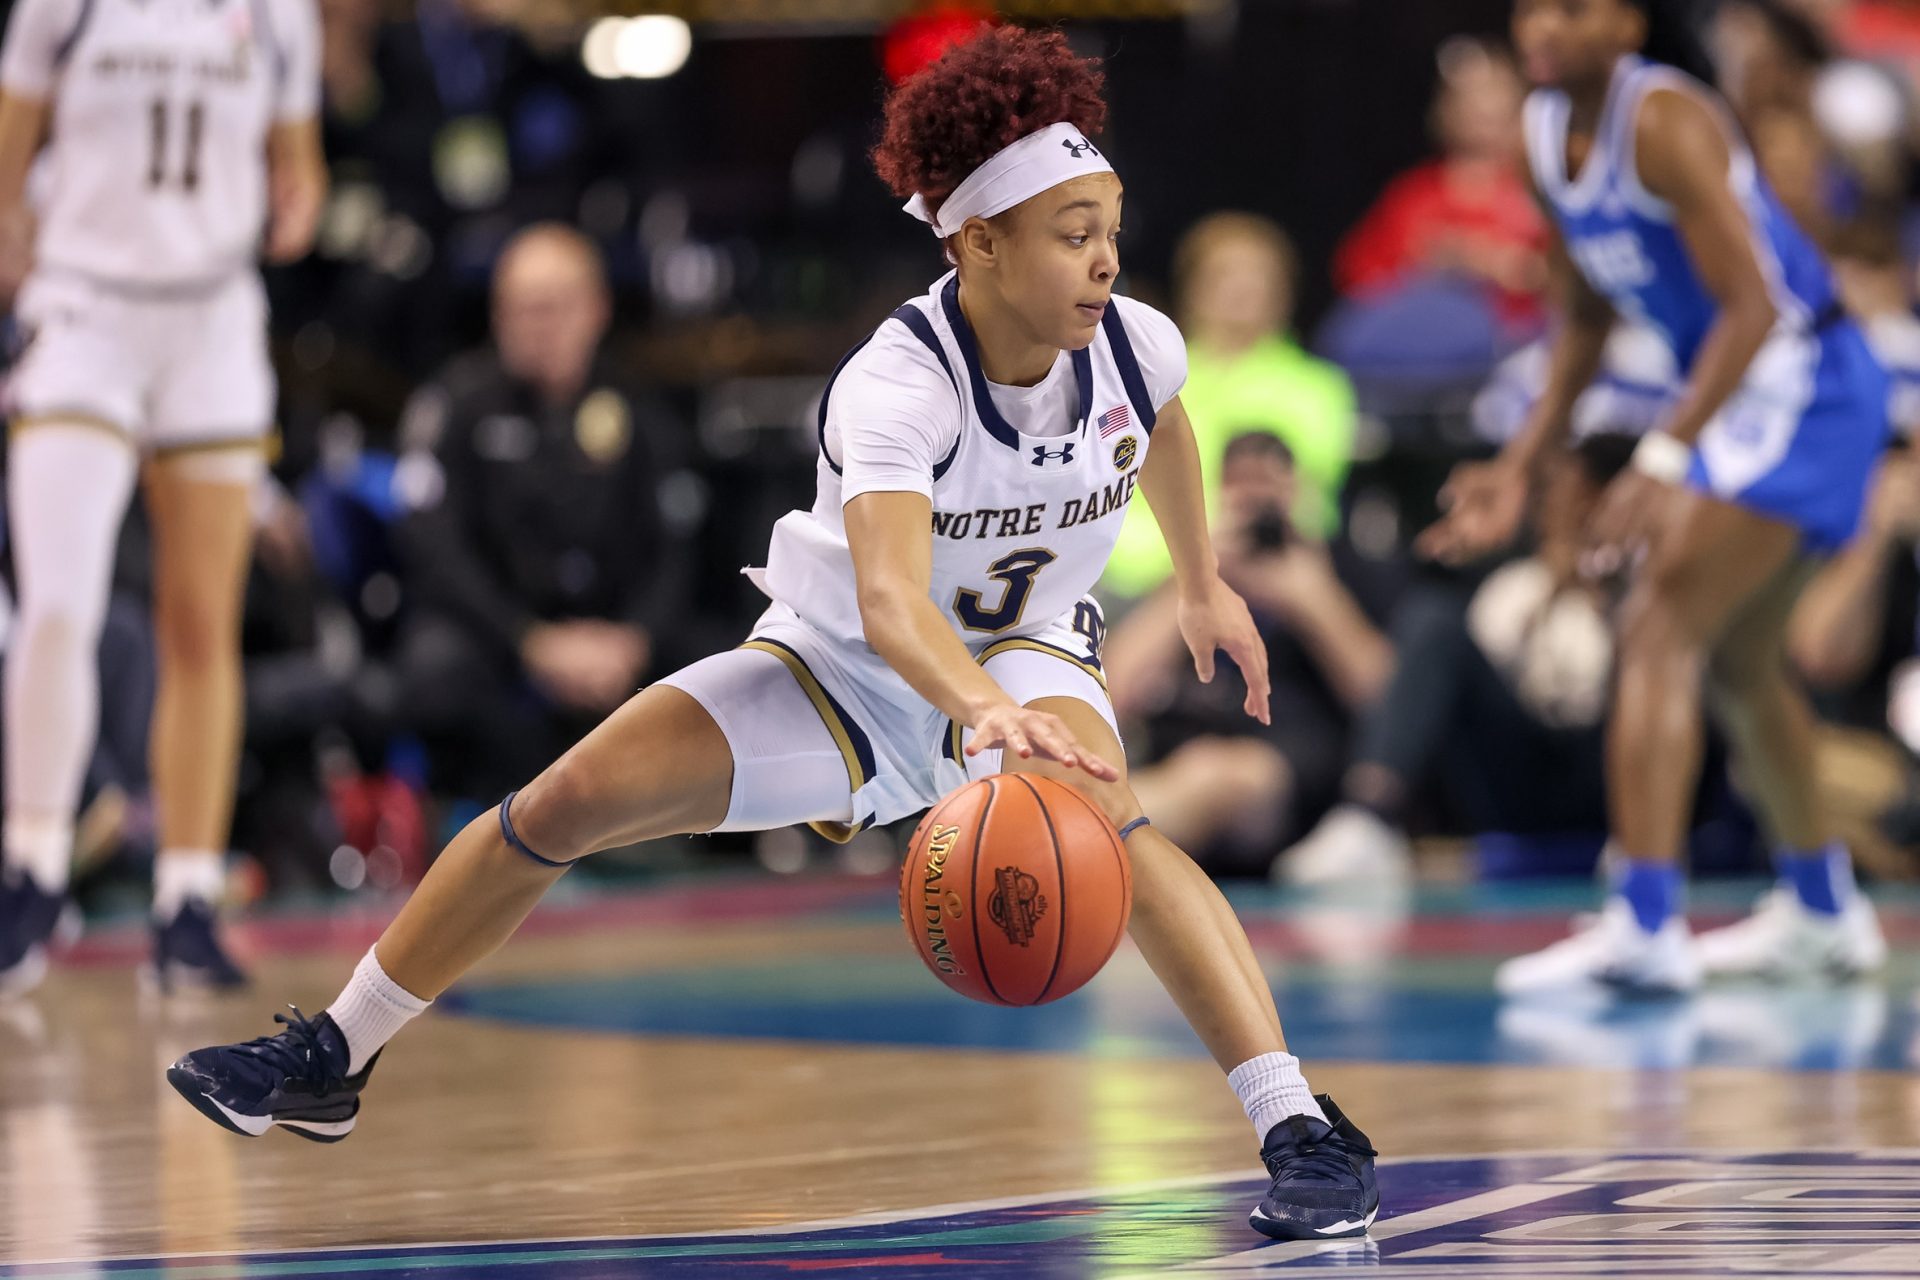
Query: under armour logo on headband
x,y
1017,172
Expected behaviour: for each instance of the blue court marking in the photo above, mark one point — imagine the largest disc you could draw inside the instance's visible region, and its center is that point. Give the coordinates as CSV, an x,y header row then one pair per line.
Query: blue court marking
x,y
1784,1214
1401,1015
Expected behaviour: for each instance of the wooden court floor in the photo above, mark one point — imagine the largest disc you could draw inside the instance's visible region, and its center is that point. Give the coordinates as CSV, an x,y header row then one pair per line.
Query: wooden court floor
x,y
752,1076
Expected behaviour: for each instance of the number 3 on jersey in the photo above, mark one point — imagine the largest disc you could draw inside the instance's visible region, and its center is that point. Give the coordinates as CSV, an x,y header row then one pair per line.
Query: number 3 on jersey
x,y
1015,573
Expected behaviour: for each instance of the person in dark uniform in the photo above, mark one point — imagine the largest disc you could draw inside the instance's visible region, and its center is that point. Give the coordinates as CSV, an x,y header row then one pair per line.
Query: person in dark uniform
x,y
544,564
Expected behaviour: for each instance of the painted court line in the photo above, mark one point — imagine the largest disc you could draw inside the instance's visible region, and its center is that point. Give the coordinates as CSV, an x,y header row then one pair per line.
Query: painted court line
x,y
1438,1215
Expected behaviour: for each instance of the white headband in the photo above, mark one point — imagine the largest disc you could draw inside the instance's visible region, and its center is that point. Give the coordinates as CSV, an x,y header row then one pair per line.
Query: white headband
x,y
1020,171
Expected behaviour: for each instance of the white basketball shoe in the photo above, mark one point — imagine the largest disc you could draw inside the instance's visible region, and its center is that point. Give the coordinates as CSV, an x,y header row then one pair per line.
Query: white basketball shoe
x,y
1783,940
1608,950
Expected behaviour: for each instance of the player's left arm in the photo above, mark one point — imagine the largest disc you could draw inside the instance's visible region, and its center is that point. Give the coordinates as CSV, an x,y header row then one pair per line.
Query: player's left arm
x,y
296,161
296,188
1212,615
23,127
1684,159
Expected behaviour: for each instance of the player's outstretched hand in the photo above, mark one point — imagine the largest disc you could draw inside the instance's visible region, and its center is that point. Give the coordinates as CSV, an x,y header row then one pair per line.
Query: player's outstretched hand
x,y
1481,505
1028,733
1216,619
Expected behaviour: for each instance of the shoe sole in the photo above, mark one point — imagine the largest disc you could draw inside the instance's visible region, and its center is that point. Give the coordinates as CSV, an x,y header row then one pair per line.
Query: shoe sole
x,y
253,1126
1275,1229
181,979
25,976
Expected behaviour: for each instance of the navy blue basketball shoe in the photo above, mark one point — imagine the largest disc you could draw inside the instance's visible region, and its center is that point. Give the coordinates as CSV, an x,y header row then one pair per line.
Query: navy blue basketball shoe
x,y
1323,1186
31,922
187,954
297,1079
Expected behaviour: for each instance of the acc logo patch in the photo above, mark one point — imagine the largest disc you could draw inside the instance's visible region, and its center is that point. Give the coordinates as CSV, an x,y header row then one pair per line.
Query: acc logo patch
x,y
1016,905
1125,452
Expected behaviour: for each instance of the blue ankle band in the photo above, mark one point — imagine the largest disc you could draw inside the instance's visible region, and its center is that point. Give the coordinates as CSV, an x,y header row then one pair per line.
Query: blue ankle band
x,y
512,837
1133,826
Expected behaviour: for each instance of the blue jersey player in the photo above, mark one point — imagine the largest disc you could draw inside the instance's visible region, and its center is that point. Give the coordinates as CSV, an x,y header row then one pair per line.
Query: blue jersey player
x,y
1759,469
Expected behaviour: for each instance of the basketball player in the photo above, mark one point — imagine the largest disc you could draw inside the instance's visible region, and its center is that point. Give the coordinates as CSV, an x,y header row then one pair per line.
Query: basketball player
x,y
1760,468
977,455
170,133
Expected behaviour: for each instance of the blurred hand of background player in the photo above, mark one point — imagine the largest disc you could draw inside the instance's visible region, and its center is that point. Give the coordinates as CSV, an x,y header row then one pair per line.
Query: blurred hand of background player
x,y
1028,733
588,664
1482,504
1216,618
1629,516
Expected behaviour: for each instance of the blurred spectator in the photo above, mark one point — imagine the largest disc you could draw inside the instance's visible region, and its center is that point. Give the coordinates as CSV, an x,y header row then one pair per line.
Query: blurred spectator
x,y
1855,624
1467,214
1853,638
1222,785
1767,56
1876,286
1502,696
1633,391
1234,277
546,563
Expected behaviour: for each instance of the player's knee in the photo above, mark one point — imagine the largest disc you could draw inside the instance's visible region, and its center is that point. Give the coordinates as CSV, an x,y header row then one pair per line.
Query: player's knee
x,y
195,638
1114,799
548,812
61,619
1656,625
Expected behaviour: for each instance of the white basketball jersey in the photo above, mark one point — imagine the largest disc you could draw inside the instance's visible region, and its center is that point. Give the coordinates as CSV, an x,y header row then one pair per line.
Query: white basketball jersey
x,y
1023,525
155,171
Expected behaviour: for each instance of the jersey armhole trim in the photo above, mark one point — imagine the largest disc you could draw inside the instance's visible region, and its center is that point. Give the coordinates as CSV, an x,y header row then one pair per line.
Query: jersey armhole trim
x,y
918,325
275,50
1129,366
64,50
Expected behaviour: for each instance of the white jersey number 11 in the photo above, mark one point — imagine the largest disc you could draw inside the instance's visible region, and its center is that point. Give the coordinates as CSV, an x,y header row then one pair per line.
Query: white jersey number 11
x,y
161,117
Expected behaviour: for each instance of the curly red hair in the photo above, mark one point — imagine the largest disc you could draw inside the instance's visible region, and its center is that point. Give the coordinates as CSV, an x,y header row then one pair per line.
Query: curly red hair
x,y
952,116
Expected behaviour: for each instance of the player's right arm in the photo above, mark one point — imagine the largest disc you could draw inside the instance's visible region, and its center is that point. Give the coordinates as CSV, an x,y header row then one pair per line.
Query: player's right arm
x,y
1483,502
23,126
893,566
29,67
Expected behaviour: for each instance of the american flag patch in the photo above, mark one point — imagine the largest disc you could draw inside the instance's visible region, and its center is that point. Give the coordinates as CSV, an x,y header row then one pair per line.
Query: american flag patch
x,y
1115,420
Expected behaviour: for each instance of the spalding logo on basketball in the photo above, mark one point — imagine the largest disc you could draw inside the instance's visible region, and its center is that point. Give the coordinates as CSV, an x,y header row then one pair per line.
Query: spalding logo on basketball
x,y
1016,890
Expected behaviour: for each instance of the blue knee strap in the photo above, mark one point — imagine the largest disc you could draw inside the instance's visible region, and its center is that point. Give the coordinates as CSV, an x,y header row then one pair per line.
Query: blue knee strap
x,y
1134,826
512,837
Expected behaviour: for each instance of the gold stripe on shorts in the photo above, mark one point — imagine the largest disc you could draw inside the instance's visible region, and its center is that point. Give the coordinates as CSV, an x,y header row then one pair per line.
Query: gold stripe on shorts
x,y
1038,646
842,730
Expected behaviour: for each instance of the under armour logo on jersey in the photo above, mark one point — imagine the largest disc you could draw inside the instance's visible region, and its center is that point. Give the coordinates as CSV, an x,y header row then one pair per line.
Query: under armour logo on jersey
x,y
1043,455
1080,148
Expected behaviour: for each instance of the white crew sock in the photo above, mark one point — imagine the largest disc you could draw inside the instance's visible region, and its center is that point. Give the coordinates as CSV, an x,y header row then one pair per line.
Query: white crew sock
x,y
42,847
1271,1088
372,1010
180,875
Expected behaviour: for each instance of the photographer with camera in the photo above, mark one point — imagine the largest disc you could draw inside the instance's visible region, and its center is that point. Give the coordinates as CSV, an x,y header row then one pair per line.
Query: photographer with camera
x,y
1228,791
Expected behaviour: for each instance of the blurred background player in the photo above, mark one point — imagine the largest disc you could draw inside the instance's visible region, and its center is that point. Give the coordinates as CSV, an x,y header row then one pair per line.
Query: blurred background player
x,y
1760,467
175,133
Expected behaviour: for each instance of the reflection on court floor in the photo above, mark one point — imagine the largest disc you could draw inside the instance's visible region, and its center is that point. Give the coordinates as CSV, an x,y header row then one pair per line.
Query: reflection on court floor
x,y
753,1078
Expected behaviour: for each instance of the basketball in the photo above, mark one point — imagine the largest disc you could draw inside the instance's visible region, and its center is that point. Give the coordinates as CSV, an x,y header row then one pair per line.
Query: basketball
x,y
1016,890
